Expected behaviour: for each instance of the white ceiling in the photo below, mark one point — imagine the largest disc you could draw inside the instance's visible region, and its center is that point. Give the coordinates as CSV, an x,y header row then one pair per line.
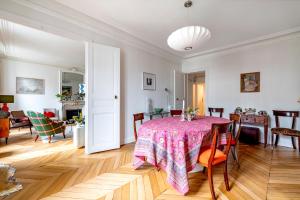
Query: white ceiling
x,y
230,21
24,43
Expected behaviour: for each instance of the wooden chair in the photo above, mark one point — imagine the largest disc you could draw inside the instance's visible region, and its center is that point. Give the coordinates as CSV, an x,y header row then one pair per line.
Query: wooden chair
x,y
137,117
4,129
212,157
175,112
235,118
216,110
285,131
19,120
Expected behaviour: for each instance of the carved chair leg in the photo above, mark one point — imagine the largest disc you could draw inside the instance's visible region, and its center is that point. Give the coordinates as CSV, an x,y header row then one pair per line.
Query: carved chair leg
x,y
211,183
64,134
49,139
293,142
299,143
36,137
6,139
272,140
30,130
203,170
276,140
235,155
226,176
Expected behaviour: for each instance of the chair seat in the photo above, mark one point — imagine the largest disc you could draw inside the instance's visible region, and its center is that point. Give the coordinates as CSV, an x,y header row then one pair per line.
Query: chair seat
x,y
219,157
285,131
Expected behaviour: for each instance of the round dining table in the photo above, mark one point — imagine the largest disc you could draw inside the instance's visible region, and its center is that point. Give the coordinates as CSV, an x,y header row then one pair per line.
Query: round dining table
x,y
174,146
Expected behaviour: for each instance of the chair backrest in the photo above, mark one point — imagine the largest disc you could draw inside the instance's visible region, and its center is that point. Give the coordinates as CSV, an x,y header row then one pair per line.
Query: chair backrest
x,y
175,112
217,129
216,110
281,113
18,114
37,119
137,117
236,118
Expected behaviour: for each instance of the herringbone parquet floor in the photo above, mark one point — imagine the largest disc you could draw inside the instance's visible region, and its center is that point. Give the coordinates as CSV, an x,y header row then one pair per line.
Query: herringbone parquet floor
x,y
59,171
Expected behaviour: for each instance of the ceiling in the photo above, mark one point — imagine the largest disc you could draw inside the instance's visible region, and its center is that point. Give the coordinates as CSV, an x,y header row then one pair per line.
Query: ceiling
x,y
27,44
230,21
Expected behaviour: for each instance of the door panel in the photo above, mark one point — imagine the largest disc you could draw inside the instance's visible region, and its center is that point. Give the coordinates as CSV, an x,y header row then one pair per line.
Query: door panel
x,y
103,103
179,91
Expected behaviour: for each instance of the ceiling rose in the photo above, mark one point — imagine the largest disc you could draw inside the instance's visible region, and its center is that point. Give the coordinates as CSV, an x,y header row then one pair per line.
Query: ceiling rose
x,y
189,37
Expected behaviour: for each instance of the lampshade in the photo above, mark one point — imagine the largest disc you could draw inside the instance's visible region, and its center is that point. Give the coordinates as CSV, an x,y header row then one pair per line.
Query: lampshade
x,y
188,38
6,99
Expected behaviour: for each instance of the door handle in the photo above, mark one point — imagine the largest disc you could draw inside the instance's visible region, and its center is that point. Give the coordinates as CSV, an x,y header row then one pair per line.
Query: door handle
x,y
116,97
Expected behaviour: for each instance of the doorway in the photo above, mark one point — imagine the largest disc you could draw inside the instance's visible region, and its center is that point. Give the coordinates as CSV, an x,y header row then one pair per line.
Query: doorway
x,y
196,91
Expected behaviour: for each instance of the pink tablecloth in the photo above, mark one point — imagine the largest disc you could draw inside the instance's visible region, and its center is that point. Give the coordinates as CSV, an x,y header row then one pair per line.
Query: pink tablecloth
x,y
174,146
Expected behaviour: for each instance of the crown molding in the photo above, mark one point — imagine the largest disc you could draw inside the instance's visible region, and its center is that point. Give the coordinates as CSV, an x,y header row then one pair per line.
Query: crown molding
x,y
267,38
50,16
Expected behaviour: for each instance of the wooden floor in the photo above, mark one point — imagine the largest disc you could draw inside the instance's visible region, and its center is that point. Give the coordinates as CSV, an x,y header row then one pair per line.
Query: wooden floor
x,y
59,171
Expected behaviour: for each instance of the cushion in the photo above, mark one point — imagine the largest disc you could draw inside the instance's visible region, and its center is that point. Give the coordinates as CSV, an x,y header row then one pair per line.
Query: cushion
x,y
219,157
49,114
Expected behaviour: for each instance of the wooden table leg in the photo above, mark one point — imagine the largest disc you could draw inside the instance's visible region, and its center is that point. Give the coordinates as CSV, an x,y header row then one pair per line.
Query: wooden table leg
x,y
266,134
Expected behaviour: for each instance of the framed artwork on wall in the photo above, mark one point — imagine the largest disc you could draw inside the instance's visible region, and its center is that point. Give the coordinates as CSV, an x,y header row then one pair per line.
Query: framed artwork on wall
x,y
30,86
149,81
250,82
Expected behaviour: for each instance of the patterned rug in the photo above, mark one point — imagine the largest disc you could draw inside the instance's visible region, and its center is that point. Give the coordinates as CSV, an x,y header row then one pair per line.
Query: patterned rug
x,y
8,182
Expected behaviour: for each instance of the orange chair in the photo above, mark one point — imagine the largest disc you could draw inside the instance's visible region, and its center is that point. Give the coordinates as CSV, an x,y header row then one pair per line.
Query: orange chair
x,y
4,128
137,117
213,156
175,112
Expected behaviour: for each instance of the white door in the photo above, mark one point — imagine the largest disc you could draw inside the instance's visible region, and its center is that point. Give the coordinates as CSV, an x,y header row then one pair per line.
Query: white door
x,y
102,98
179,89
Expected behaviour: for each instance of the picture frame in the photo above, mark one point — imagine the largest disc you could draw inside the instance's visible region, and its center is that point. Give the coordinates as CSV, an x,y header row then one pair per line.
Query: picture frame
x,y
30,86
250,82
149,81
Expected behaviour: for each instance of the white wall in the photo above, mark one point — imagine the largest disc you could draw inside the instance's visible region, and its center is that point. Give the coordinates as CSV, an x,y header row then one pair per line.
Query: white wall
x,y
279,66
10,69
133,98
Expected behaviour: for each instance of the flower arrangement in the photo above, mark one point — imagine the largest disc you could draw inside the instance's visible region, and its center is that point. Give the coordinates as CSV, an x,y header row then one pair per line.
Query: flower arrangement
x,y
191,113
79,119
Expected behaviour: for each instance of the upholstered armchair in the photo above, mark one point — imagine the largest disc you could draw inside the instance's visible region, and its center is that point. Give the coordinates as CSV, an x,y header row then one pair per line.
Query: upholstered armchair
x,y
18,119
44,126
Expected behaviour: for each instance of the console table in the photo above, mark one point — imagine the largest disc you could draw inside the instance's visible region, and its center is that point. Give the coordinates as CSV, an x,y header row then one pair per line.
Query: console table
x,y
257,120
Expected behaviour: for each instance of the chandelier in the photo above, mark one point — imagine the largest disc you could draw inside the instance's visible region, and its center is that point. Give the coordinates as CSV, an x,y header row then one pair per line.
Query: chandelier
x,y
189,37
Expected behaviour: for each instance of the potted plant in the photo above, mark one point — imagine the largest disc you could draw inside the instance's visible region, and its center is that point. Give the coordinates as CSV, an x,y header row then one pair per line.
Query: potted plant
x,y
79,131
191,113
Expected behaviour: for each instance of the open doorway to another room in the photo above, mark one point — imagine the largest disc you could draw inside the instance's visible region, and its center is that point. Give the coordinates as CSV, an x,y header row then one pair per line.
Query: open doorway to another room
x,y
196,91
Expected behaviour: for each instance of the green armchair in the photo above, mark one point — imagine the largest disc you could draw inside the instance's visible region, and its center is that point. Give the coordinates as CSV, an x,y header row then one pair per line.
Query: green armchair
x,y
44,126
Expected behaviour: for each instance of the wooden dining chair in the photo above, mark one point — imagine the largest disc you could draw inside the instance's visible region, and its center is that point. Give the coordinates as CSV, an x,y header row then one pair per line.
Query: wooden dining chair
x,y
216,110
175,112
213,156
236,119
137,117
285,131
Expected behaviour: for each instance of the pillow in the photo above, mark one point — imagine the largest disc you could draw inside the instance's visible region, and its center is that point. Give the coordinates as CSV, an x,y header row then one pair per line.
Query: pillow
x,y
49,114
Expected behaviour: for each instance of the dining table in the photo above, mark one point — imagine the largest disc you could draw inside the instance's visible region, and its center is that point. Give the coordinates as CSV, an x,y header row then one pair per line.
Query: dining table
x,y
174,146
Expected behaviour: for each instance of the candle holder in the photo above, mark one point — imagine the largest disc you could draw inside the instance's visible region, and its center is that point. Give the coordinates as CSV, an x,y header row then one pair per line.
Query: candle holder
x,y
182,117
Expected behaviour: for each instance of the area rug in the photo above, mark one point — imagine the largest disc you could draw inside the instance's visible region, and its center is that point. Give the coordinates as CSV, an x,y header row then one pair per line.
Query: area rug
x,y
8,182
57,137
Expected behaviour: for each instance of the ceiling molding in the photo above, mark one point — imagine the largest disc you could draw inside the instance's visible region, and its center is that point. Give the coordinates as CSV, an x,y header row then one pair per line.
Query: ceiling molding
x,y
53,17
275,36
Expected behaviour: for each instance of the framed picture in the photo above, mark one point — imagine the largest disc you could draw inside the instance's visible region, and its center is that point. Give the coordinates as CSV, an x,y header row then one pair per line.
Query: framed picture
x,y
149,81
250,82
30,86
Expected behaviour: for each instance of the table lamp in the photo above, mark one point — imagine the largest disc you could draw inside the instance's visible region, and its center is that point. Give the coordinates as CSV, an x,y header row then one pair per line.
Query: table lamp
x,y
5,99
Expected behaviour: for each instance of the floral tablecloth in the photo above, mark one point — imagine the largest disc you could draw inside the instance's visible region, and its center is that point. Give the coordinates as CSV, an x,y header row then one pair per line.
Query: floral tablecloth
x,y
174,146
